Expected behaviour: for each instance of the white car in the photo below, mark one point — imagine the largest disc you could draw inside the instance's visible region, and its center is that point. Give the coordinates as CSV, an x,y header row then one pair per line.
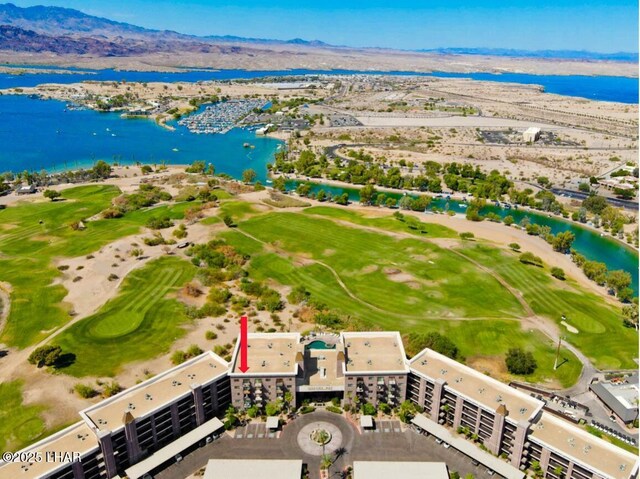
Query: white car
x,y
446,445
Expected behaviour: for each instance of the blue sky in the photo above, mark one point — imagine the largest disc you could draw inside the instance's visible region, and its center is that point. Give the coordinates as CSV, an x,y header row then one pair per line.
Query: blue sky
x,y
601,25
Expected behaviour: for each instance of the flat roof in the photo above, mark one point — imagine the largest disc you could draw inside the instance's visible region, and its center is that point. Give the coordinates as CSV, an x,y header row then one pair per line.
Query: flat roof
x,y
269,353
468,448
78,438
477,387
573,442
322,368
176,447
273,422
366,421
374,352
253,468
156,392
405,470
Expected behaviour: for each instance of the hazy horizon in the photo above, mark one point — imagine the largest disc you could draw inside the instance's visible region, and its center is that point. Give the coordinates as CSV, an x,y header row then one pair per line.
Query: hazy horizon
x,y
595,26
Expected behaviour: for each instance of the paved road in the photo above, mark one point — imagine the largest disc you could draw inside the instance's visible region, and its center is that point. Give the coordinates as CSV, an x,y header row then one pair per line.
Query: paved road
x,y
378,446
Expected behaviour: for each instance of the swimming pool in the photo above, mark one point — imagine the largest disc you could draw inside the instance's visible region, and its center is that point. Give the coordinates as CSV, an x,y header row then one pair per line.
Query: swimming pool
x,y
317,344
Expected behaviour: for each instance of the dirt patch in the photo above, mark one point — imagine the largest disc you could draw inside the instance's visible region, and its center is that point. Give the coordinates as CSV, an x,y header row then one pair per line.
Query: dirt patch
x,y
372,268
490,365
5,302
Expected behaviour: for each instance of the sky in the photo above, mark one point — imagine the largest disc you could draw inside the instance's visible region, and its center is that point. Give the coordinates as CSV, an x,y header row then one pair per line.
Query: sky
x,y
593,25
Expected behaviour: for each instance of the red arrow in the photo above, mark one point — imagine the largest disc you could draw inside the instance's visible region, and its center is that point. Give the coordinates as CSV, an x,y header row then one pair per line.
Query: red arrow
x,y
243,345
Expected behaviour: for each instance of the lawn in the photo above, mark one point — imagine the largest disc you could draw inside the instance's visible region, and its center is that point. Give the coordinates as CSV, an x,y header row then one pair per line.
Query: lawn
x,y
456,287
32,235
384,222
20,425
405,278
141,322
601,337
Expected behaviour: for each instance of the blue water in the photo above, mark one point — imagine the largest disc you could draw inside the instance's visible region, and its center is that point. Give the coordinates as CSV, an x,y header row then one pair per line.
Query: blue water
x,y
603,88
42,135
587,242
320,345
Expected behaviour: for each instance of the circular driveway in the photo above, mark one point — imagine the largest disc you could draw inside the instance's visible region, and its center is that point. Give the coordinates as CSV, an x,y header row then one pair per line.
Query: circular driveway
x,y
309,446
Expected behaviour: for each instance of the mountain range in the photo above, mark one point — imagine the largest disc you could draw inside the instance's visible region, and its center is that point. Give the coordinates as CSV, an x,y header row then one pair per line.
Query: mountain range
x,y
65,31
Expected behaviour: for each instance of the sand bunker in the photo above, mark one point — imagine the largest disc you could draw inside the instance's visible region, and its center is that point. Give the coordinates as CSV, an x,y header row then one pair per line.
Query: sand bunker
x,y
570,328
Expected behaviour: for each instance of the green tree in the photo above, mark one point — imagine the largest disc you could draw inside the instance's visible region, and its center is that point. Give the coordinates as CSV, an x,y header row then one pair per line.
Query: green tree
x,y
562,241
630,315
508,220
520,362
618,280
416,342
367,194
45,356
280,184
51,194
595,271
514,246
249,175
595,204
101,170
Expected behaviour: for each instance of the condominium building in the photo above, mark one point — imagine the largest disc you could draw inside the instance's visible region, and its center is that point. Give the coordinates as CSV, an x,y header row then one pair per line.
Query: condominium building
x,y
274,360
458,396
141,429
375,368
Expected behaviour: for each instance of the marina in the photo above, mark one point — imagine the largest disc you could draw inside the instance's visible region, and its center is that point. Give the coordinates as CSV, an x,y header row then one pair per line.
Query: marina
x,y
220,117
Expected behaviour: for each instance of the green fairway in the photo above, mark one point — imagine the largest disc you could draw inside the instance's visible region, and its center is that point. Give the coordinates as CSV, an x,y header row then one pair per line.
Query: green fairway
x,y
405,278
140,323
602,336
487,338
32,235
20,425
385,222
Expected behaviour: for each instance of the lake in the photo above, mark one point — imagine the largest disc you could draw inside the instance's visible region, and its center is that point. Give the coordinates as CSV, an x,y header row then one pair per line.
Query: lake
x,y
42,135
602,88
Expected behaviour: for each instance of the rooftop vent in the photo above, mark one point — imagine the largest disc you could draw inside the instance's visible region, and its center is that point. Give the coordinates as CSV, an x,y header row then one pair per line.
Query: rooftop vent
x,y
423,362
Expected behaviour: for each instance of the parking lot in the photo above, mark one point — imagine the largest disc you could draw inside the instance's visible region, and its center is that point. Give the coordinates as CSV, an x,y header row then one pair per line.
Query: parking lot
x,y
255,430
384,443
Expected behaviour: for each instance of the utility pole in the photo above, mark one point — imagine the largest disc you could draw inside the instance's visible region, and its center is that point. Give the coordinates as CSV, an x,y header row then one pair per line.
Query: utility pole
x,y
555,364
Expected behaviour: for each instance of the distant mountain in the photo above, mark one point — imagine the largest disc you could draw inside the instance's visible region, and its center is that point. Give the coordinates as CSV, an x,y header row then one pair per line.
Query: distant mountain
x,y
295,41
69,31
557,54
67,21
21,40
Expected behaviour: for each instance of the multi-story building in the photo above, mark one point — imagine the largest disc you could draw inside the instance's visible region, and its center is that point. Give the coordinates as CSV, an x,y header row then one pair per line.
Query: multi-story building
x,y
129,427
458,396
140,429
375,368
274,360
562,450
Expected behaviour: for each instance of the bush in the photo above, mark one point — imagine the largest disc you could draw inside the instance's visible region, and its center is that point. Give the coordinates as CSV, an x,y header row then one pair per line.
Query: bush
x,y
467,236
52,194
159,223
112,389
416,342
334,409
520,362
307,409
368,409
45,356
530,258
514,246
210,335
558,273
85,391
113,277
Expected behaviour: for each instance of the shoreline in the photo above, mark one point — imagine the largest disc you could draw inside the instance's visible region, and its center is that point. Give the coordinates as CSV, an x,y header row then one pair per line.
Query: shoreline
x,y
64,66
455,197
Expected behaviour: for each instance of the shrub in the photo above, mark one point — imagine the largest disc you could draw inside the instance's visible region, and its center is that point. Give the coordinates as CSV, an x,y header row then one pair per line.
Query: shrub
x,y
159,222
558,273
368,409
45,356
85,391
530,258
51,194
334,409
520,362
467,236
113,277
112,389
307,409
416,342
210,335
514,246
